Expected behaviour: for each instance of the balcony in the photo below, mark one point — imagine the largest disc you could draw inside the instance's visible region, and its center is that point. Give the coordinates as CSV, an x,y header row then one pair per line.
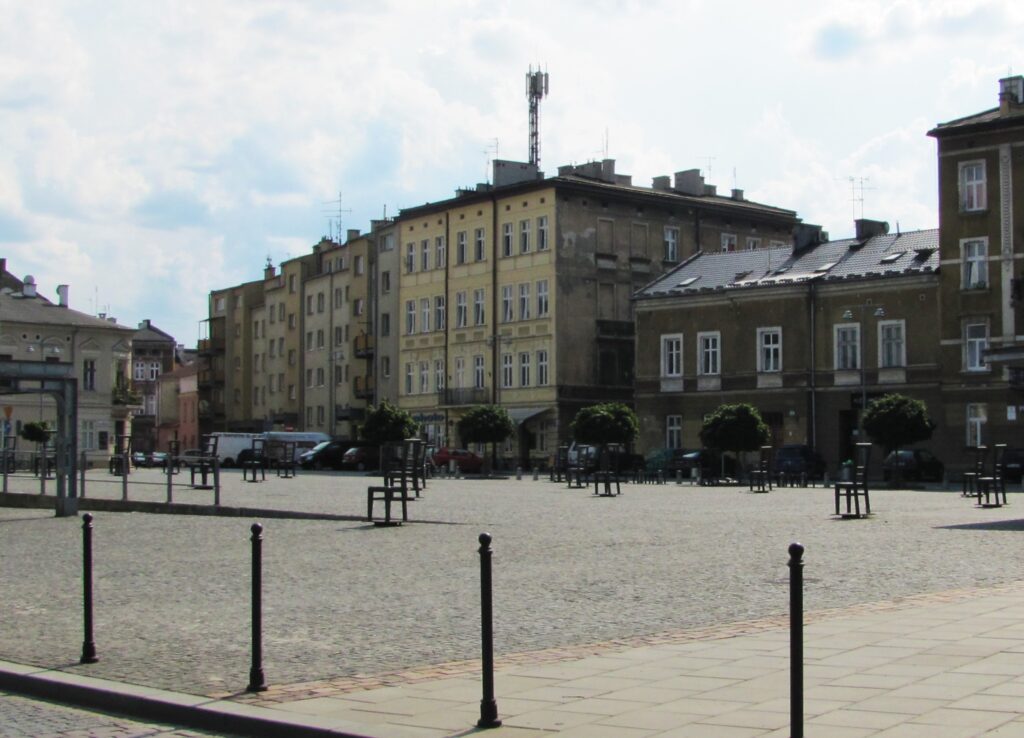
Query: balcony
x,y
207,378
464,396
615,329
207,346
1016,377
364,346
364,387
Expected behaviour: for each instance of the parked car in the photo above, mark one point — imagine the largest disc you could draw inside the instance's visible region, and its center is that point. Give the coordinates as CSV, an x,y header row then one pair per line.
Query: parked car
x,y
1013,464
190,456
913,464
712,464
149,459
799,460
466,461
361,458
325,455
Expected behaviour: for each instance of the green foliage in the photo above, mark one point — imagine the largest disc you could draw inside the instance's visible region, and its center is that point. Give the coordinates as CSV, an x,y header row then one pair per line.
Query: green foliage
x,y
388,424
35,432
485,424
735,428
609,422
895,420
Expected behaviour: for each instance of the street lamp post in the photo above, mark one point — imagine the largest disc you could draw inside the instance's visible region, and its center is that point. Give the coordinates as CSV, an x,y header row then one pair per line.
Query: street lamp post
x,y
879,312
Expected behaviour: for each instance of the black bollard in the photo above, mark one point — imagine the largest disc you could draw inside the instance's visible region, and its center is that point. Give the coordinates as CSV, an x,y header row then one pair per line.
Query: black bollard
x,y
257,682
796,640
488,707
88,645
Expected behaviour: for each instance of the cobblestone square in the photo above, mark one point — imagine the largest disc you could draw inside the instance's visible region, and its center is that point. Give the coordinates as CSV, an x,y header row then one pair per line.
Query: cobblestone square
x,y
343,598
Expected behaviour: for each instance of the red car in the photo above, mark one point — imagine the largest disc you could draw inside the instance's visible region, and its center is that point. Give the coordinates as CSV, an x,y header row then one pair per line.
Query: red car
x,y
467,461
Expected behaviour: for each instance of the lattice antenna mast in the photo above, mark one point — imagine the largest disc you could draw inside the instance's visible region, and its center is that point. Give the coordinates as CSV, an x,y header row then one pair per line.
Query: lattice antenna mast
x,y
331,222
536,88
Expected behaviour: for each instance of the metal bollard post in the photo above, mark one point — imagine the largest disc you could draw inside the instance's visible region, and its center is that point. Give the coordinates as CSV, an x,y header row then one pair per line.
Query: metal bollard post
x,y
519,473
257,682
679,476
81,476
488,707
536,474
7,462
216,482
796,640
169,471
88,645
125,461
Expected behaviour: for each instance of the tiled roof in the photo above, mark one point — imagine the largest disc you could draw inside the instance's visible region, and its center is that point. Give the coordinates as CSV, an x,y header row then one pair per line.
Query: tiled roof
x,y
985,118
18,309
881,256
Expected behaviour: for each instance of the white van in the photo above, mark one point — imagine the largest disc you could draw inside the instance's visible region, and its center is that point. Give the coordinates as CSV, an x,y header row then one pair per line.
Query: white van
x,y
229,445
303,440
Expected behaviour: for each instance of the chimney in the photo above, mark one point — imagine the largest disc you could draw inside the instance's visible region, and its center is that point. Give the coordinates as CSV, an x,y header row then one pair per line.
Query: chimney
x,y
268,271
662,183
352,234
3,264
62,295
1011,93
866,229
28,288
144,324
689,182
737,194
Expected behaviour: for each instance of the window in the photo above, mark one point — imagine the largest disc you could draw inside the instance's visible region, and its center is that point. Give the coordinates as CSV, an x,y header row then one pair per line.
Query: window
x,y
674,431
385,282
847,347
478,371
672,355
524,369
410,317
753,244
139,371
507,306
272,314
425,315
439,374
410,258
977,416
439,313
478,244
972,186
339,294
385,324
309,377
88,435
542,298
542,233
309,304
280,347
320,378
273,345
975,343
506,370
385,366
339,335
524,237
709,352
542,368
769,349
461,310
388,242
439,252
320,338
671,243
479,314
218,305
320,415
319,302
280,312
291,389
359,306
425,254
309,340
154,370
974,261
291,283
338,374
460,247
291,321
89,376
728,242
460,372
891,344
524,301
506,239
424,377
408,378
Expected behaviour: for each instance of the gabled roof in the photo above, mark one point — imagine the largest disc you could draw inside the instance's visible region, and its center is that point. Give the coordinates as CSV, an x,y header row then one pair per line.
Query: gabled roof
x,y
878,257
149,332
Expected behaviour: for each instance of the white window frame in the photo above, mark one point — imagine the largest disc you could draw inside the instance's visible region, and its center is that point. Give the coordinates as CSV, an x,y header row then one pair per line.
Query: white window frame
x,y
506,239
524,236
709,353
973,188
671,239
524,301
542,233
728,242
524,368
424,315
409,371
479,253
769,353
424,377
439,374
506,371
753,243
479,307
508,313
439,252
410,317
424,254
974,263
887,343
460,372
461,310
461,246
543,301
974,346
478,371
671,355
542,368
977,417
439,312
410,258
673,431
840,352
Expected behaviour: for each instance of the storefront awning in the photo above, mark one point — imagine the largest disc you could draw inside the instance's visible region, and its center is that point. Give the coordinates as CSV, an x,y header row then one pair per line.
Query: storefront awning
x,y
521,414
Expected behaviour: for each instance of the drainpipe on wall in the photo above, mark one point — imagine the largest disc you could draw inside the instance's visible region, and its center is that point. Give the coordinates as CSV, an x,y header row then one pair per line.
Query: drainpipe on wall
x,y
813,413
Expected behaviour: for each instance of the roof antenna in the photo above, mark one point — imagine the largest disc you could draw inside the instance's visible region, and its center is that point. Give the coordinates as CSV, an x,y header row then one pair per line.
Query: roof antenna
x,y
536,88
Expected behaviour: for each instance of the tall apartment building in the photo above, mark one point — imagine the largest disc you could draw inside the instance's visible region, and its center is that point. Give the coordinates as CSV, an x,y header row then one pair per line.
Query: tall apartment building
x,y
981,211
519,293
153,354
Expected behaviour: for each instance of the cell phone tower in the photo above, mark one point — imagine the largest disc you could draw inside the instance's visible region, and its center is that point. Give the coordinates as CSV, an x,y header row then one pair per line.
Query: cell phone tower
x,y
536,88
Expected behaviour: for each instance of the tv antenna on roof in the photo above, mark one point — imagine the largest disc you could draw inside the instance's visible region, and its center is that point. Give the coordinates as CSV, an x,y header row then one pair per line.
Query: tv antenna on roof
x,y
488,149
855,184
330,222
536,88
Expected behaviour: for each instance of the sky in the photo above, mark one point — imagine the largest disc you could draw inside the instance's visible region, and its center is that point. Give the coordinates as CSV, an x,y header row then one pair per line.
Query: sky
x,y
152,151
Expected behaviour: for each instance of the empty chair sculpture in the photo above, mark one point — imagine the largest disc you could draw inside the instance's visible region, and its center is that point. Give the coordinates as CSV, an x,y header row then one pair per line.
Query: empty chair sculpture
x,y
255,462
853,490
978,455
992,487
397,484
761,474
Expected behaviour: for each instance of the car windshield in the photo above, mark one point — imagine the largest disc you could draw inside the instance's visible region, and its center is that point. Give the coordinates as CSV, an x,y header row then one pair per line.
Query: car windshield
x,y
321,445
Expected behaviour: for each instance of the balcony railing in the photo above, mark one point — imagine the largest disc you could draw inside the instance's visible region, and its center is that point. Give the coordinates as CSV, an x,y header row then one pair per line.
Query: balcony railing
x,y
210,345
364,346
1017,377
464,396
364,387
